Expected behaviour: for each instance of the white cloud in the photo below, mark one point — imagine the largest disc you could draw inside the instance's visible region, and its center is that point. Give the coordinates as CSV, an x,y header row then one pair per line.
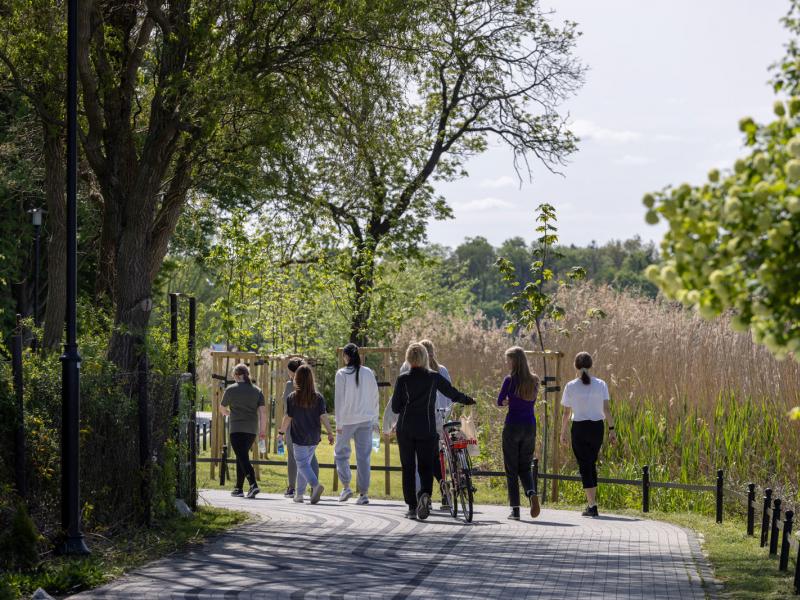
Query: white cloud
x,y
668,138
633,160
482,204
499,182
588,130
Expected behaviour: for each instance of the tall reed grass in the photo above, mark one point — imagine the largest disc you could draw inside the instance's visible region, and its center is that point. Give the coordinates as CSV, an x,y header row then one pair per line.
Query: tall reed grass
x,y
689,395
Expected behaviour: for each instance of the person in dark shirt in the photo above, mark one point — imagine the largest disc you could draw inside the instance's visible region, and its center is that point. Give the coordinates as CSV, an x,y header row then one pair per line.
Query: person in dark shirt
x,y
414,400
518,393
244,404
305,411
291,464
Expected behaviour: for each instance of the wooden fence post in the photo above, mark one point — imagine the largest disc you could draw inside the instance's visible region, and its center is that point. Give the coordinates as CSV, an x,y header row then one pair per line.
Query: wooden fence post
x,y
774,532
751,510
783,564
646,488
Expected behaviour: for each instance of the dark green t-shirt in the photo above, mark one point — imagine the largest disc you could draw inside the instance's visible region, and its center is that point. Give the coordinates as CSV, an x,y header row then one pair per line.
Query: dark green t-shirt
x,y
243,399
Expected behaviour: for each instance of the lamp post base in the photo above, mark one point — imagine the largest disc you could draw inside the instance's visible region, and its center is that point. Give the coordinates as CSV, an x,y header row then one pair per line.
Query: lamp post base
x,y
73,546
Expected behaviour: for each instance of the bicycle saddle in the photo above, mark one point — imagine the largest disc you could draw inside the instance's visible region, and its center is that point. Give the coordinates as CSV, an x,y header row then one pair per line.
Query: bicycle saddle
x,y
452,425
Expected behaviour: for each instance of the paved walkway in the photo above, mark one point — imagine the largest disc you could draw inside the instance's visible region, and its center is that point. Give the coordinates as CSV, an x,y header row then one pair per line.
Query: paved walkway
x,y
335,550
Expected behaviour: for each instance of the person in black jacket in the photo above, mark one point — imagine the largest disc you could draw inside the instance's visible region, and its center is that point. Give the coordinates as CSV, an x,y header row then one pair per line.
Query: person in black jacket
x,y
414,400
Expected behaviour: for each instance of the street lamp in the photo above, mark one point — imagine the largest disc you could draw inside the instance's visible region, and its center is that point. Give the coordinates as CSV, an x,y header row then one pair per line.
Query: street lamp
x,y
73,541
36,219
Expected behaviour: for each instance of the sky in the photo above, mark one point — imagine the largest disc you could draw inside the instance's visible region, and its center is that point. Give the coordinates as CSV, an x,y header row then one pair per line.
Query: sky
x,y
667,84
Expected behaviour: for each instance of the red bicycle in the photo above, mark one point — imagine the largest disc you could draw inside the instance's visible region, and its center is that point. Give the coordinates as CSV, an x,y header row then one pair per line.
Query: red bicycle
x,y
456,468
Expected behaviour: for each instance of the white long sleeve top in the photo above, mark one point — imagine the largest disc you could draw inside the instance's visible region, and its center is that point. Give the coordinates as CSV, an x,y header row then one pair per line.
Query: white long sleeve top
x,y
353,403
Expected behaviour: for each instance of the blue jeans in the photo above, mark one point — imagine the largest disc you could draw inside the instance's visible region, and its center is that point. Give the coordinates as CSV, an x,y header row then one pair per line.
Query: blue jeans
x,y
362,434
305,473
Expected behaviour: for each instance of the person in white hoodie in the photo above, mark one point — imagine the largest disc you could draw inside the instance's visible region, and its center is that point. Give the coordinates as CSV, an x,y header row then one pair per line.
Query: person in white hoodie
x,y
356,408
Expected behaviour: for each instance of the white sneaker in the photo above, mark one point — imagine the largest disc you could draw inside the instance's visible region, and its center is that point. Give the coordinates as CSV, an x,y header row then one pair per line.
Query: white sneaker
x,y
362,499
317,494
298,498
346,494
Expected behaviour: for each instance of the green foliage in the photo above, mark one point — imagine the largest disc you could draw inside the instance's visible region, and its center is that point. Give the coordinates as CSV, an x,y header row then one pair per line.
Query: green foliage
x,y
19,539
733,244
532,302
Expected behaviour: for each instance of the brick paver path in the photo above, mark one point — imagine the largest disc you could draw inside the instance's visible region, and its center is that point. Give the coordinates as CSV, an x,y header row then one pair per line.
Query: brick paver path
x,y
335,550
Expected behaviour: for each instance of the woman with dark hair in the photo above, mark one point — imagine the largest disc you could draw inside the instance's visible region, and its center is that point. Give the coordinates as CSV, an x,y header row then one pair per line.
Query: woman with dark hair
x,y
244,404
414,399
356,409
305,412
588,401
518,393
291,463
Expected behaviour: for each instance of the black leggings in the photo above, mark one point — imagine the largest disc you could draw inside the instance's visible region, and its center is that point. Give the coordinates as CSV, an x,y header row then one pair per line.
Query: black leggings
x,y
587,437
241,443
519,441
416,455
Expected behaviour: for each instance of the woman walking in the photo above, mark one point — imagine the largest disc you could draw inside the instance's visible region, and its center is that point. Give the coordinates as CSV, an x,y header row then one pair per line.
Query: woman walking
x,y
518,393
356,407
414,399
305,414
291,463
244,403
587,399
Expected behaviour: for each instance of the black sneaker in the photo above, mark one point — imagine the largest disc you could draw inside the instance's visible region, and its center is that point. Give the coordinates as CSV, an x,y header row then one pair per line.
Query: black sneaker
x,y
237,493
590,511
253,491
423,506
289,493
514,516
411,514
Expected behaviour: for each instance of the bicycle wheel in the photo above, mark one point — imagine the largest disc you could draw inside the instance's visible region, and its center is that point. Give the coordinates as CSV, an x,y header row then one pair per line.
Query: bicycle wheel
x,y
445,485
466,497
452,476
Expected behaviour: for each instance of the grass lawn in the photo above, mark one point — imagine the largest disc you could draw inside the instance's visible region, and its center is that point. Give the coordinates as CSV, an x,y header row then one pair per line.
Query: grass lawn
x,y
111,558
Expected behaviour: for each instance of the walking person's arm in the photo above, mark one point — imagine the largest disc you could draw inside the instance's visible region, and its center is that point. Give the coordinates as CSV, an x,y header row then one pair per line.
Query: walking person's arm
x,y
285,424
451,392
565,425
326,423
338,394
502,397
224,409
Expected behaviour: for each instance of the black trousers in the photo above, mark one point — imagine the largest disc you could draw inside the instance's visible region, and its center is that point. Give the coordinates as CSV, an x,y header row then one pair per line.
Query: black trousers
x,y
519,441
587,437
242,442
416,454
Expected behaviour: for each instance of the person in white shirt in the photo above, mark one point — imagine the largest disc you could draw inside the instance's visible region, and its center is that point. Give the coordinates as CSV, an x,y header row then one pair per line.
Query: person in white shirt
x,y
588,401
356,408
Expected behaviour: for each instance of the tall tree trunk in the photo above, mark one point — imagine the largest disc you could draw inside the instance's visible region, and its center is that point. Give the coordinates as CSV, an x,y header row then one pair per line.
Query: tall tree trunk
x,y
363,272
55,191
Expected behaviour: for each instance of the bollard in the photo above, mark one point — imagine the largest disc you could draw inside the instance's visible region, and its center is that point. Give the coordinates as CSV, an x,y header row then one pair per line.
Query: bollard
x,y
197,439
776,517
223,470
205,434
751,511
765,517
720,483
783,563
646,488
535,474
797,572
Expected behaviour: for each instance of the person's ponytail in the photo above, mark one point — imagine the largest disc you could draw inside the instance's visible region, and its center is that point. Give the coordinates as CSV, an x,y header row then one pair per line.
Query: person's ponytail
x,y
583,362
241,370
351,352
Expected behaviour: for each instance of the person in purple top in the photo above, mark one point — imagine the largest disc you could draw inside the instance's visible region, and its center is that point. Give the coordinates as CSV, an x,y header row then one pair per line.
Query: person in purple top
x,y
518,393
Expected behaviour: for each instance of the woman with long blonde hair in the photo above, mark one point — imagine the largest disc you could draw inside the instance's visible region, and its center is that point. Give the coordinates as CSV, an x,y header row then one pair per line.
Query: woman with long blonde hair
x,y
518,393
414,399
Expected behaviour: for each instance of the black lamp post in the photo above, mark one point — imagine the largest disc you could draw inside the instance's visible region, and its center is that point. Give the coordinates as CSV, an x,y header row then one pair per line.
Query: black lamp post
x,y
73,541
36,219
